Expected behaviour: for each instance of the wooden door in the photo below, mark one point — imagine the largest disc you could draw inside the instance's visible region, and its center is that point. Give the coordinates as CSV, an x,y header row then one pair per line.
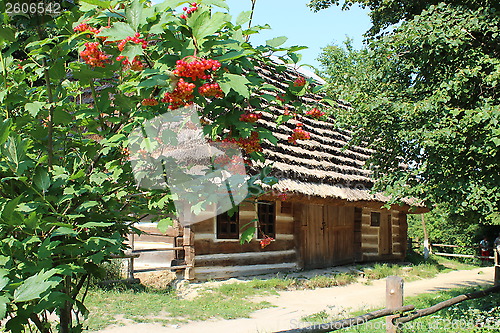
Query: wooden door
x,y
313,240
385,234
327,235
340,227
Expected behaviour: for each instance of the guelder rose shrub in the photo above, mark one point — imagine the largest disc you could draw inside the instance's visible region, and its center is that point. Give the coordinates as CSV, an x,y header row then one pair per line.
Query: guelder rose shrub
x,y
74,85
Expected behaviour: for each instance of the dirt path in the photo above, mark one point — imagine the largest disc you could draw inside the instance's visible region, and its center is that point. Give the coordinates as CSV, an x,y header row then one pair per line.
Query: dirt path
x,y
293,305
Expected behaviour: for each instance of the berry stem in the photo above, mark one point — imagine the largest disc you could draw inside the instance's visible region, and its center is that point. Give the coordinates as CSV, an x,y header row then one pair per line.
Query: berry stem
x,y
247,38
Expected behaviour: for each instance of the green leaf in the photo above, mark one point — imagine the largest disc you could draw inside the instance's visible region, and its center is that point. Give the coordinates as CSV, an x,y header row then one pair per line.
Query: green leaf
x,y
80,71
247,235
264,133
134,14
277,41
41,179
87,205
3,306
33,108
4,279
161,80
132,50
5,130
218,3
61,117
96,224
204,25
15,151
64,231
163,224
282,119
7,34
99,3
34,286
98,178
118,31
235,82
234,55
243,17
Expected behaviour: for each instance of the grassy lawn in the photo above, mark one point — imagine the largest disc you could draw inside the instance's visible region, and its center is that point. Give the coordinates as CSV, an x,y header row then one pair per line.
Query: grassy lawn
x,y
479,315
165,307
234,299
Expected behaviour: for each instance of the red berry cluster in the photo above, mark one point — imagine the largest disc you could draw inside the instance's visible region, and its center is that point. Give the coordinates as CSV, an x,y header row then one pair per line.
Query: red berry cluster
x,y
193,7
283,195
280,97
287,112
250,117
234,164
299,82
249,145
149,102
136,64
135,39
315,113
266,241
197,68
181,95
298,134
93,56
85,27
211,90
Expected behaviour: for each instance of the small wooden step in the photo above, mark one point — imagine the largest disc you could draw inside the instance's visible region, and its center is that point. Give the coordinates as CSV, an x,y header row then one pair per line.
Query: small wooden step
x,y
178,248
161,268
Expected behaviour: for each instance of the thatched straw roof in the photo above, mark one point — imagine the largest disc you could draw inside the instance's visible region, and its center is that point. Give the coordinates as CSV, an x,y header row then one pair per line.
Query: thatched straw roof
x,y
322,167
319,167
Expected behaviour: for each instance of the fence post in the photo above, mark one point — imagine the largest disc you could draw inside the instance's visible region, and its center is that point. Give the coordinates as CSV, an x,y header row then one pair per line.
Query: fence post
x,y
130,268
188,243
497,265
394,299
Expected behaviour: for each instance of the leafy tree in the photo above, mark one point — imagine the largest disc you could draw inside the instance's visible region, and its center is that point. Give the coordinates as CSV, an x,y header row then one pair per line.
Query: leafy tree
x,y
425,93
75,82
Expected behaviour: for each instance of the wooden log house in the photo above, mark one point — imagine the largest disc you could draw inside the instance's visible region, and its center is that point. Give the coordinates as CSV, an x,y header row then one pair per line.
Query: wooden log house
x,y
329,218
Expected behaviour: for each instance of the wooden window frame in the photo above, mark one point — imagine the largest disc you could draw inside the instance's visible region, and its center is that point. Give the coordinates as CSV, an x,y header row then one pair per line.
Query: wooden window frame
x,y
267,218
375,218
229,221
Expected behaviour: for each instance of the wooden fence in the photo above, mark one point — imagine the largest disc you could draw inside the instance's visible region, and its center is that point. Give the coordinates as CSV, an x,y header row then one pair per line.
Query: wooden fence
x,y
395,312
132,254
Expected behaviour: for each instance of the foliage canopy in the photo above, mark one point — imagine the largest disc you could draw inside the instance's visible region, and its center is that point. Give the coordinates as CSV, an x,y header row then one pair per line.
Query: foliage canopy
x,y
425,93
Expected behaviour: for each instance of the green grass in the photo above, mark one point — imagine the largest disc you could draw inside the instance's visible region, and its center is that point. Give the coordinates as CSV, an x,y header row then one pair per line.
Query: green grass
x,y
233,300
479,315
113,306
419,268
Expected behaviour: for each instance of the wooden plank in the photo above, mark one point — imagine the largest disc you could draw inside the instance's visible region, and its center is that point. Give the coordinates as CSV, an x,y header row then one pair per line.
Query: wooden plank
x,y
374,231
385,234
204,227
206,246
224,272
284,218
285,227
246,258
189,253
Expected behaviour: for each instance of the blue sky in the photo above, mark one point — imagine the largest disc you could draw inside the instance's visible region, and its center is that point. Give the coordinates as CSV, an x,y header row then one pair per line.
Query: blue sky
x,y
293,19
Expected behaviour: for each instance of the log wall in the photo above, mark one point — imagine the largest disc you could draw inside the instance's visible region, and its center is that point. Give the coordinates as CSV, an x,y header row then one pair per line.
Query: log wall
x,y
222,258
384,242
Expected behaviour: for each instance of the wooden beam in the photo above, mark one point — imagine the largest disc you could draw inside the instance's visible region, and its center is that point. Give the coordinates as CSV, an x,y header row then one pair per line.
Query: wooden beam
x,y
189,254
340,324
461,255
446,304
